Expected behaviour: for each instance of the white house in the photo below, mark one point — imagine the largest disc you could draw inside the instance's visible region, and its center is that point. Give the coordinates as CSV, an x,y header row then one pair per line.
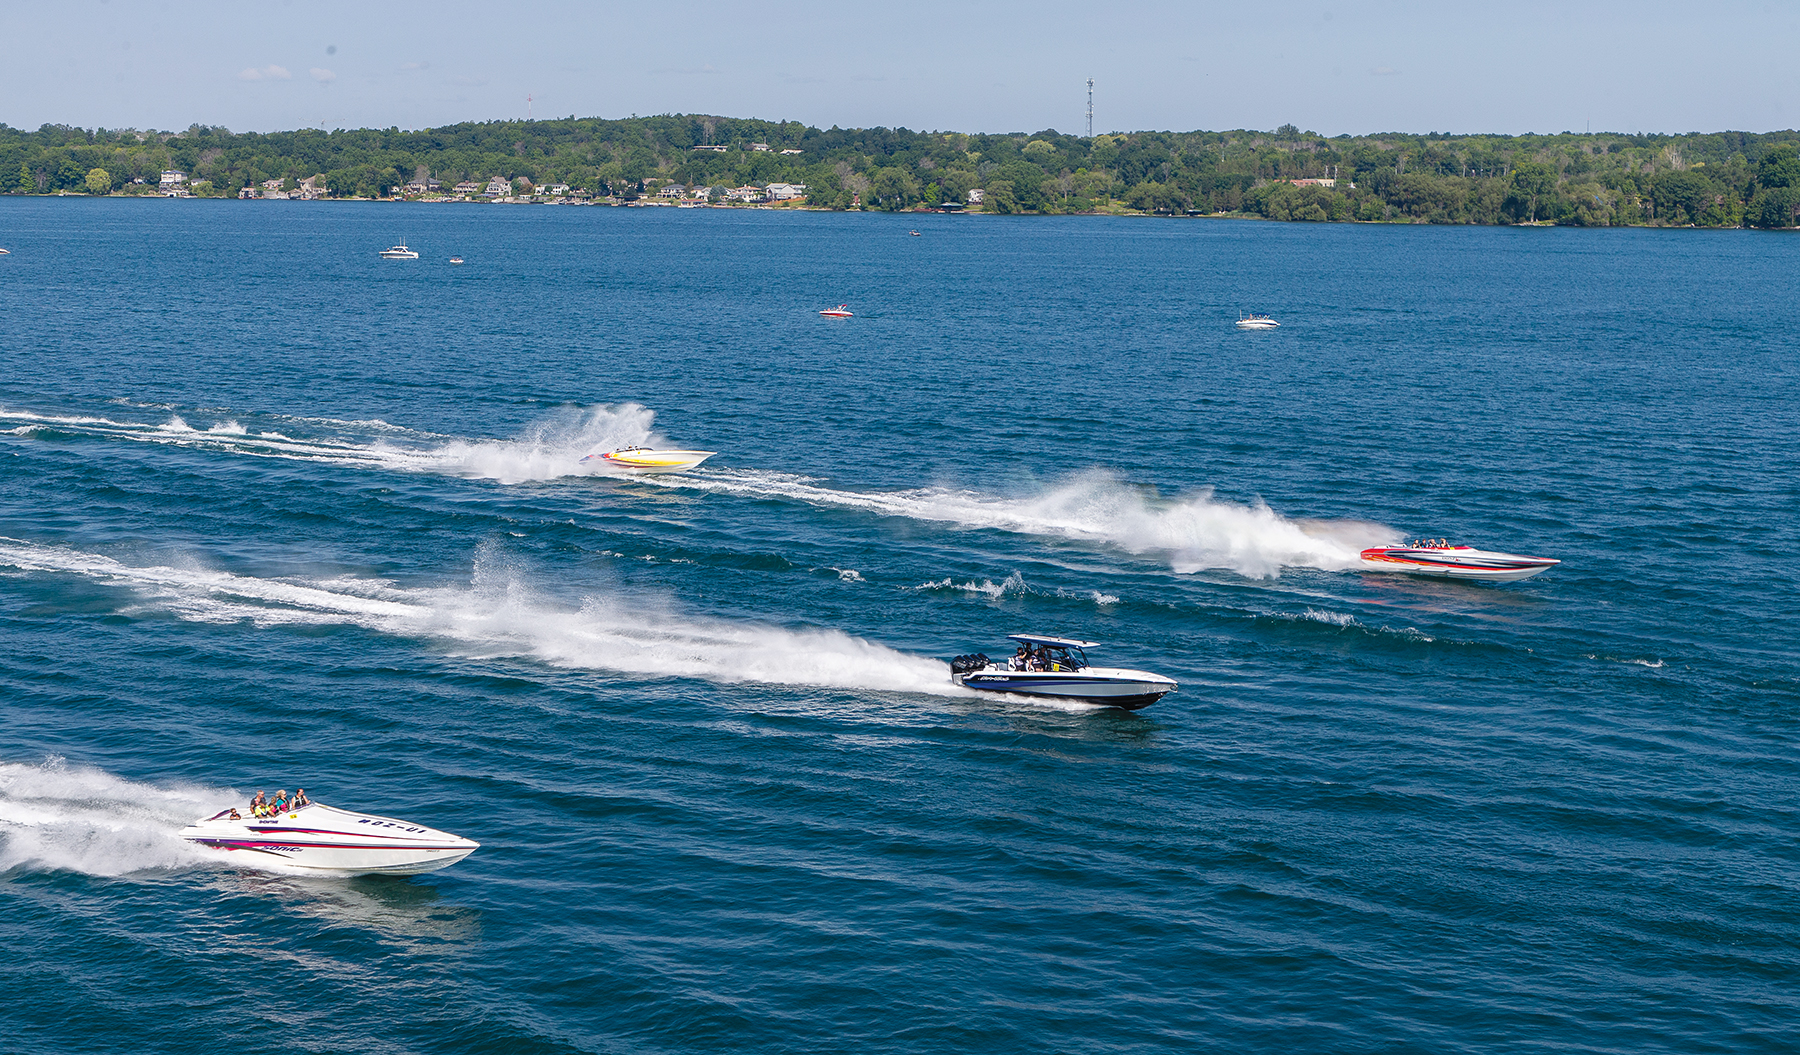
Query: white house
x,y
714,149
171,178
272,184
760,148
744,193
498,188
786,191
792,151
975,196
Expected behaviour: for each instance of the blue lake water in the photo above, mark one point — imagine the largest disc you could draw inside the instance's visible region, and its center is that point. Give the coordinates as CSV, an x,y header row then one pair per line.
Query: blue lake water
x,y
274,511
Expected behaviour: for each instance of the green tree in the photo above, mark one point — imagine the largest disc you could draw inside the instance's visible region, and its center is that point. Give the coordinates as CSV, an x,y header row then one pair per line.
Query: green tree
x,y
1780,168
99,181
1531,182
1682,195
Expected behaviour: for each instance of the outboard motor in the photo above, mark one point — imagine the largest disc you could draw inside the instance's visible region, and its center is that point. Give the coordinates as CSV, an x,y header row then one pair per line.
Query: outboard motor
x,y
967,664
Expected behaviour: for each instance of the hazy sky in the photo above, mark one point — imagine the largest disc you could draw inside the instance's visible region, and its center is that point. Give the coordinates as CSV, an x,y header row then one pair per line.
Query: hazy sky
x,y
973,65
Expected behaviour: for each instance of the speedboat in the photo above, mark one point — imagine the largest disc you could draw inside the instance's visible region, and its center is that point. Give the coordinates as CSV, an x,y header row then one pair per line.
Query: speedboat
x,y
1057,668
1257,322
644,460
399,252
456,260
842,311
1438,557
324,838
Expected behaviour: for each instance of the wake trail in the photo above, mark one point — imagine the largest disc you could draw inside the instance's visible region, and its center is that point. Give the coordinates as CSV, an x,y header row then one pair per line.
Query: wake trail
x,y
1196,533
58,817
500,615
549,449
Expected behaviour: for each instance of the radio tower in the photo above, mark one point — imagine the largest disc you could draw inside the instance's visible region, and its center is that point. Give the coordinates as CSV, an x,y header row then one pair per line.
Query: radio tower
x,y
1090,134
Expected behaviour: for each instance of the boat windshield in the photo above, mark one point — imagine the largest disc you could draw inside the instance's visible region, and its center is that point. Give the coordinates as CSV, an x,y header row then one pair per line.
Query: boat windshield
x,y
1063,658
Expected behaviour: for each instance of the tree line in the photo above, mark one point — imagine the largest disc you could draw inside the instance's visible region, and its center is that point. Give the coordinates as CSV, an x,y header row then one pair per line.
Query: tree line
x,y
1717,179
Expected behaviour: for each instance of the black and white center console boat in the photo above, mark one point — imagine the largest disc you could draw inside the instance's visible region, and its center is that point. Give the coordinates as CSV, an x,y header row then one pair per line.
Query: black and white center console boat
x,y
1058,668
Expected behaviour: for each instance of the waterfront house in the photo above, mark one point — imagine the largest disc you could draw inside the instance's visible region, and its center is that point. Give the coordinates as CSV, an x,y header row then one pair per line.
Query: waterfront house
x,y
760,148
745,193
273,184
172,182
785,191
497,188
976,195
468,187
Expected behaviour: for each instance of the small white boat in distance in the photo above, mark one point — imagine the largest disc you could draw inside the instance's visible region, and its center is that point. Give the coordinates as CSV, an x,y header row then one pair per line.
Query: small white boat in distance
x,y
323,838
399,252
1438,557
456,260
1057,668
842,311
645,460
1257,322
5,252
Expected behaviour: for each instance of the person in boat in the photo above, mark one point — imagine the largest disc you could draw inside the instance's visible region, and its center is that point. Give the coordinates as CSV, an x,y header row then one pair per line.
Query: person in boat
x,y
235,815
1040,660
259,806
299,799
281,802
1022,658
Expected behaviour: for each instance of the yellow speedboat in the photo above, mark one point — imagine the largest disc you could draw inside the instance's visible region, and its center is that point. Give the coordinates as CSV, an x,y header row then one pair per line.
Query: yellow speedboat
x,y
642,460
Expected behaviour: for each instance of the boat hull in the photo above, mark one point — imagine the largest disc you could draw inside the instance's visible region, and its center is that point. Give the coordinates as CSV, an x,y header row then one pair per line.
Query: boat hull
x,y
1459,562
1128,689
643,462
325,839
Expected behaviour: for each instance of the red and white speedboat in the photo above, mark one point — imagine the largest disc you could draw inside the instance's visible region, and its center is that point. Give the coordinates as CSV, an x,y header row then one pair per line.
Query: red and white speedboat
x,y
321,838
842,311
1438,557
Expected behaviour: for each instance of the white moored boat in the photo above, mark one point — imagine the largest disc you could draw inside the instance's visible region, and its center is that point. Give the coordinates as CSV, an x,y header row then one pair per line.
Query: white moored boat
x,y
1257,322
643,460
323,838
399,252
1439,557
842,311
1057,668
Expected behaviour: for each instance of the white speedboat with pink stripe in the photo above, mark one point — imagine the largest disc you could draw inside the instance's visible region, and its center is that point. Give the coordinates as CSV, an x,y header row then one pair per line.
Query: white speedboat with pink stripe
x,y
324,838
1438,557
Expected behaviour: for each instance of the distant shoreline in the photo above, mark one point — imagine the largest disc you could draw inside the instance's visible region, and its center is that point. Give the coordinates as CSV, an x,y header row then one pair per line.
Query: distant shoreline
x,y
1606,179
806,208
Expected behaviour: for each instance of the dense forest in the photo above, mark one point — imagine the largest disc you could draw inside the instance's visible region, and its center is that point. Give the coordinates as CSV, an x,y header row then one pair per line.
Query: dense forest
x,y
1719,179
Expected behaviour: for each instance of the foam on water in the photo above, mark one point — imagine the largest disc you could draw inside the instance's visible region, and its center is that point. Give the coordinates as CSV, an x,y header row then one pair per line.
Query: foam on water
x,y
549,449
58,817
500,614
1195,533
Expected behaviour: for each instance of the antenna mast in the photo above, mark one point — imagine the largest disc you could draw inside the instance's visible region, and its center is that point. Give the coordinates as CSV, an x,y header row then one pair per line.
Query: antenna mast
x,y
1090,134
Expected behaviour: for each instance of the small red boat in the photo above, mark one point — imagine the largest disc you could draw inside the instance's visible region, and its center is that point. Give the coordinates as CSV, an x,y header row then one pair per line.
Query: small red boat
x,y
842,311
